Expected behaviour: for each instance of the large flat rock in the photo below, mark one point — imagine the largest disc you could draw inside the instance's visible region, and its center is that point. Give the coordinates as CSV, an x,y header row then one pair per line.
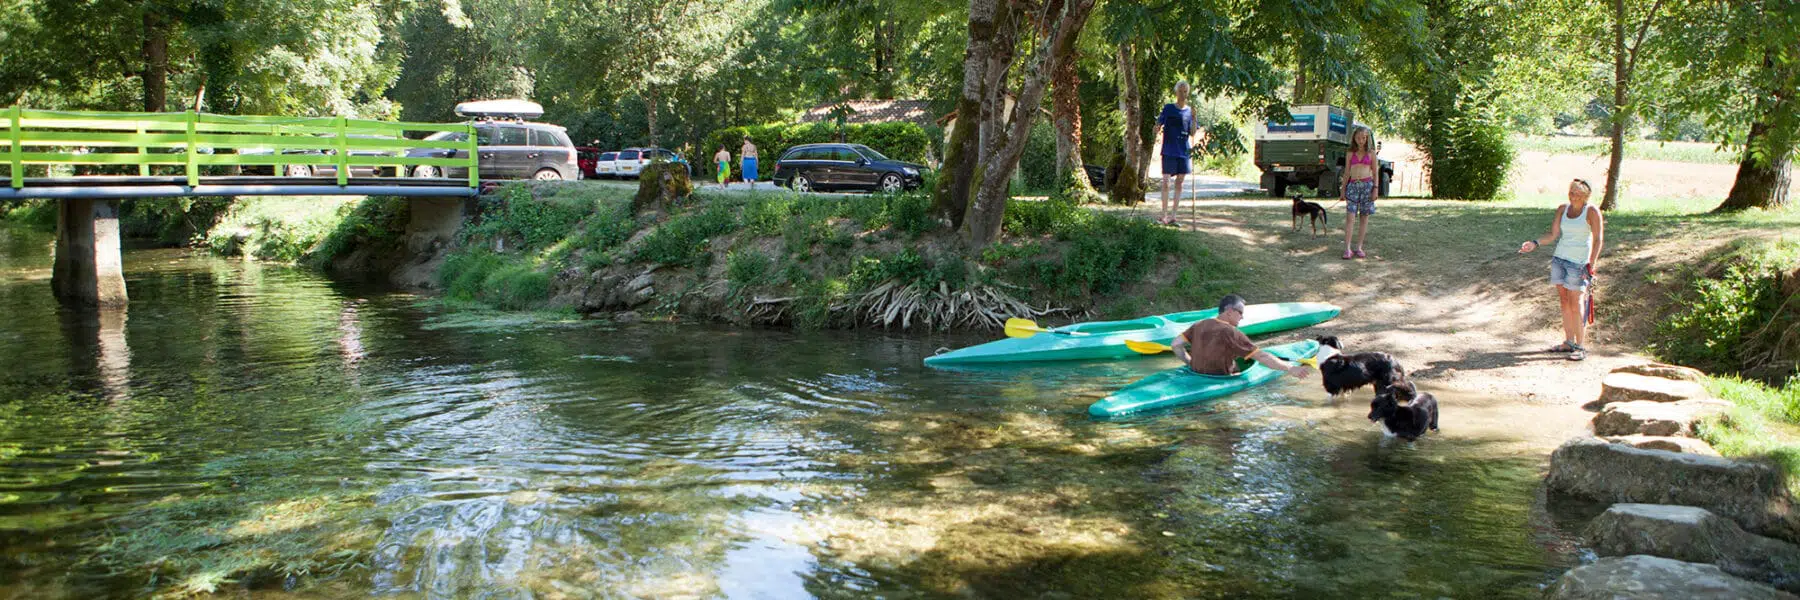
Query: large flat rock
x,y
1656,578
1645,417
1751,494
1627,387
1664,371
1695,535
1685,445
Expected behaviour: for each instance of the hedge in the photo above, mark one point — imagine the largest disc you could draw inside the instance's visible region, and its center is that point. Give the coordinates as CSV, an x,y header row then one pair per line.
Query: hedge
x,y
900,141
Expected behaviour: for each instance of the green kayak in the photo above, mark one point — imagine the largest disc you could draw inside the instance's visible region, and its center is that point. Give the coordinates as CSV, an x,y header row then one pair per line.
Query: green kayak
x,y
1180,385
1105,340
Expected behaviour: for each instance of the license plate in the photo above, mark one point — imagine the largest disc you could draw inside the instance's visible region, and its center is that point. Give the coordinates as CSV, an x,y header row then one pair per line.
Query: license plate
x,y
1284,169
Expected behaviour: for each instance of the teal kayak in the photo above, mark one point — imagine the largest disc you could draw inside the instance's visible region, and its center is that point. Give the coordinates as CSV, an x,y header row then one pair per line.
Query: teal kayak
x,y
1181,385
1105,340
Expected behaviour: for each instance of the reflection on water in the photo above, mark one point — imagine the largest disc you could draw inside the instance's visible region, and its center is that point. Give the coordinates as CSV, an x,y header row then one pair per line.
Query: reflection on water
x,y
377,445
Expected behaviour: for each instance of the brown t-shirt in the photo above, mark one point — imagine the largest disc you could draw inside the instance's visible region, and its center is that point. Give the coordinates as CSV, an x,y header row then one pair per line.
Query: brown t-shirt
x,y
1214,347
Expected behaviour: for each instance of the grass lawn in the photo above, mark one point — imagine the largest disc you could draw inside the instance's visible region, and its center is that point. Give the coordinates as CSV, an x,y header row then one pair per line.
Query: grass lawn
x,y
1690,152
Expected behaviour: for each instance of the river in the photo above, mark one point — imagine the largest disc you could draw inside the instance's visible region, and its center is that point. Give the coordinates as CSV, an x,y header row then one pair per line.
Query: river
x,y
331,439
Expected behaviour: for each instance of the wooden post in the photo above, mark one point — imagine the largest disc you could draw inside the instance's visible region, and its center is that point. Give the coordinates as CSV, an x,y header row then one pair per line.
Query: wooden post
x,y
15,151
343,154
474,160
143,152
193,172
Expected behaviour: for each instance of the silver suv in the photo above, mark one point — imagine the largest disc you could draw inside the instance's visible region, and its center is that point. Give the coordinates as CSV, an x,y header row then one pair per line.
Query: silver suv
x,y
507,150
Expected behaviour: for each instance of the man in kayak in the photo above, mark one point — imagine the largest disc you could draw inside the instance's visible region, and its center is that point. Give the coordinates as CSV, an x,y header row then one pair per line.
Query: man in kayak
x,y
1215,346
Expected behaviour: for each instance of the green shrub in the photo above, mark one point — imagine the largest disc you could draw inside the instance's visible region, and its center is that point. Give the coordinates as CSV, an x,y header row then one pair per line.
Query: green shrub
x,y
532,222
899,141
685,239
1042,217
496,280
1038,165
764,216
746,268
1740,321
377,223
1475,157
1106,253
911,213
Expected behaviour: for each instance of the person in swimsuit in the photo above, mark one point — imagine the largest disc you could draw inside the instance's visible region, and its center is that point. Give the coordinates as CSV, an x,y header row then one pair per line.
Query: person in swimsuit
x,y
749,154
1177,121
723,160
1359,191
1580,232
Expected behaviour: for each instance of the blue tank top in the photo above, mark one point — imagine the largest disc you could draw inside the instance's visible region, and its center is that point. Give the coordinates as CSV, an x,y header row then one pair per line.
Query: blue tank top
x,y
1178,126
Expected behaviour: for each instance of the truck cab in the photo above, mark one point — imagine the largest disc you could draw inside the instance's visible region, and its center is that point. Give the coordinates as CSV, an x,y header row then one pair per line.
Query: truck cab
x,y
1309,150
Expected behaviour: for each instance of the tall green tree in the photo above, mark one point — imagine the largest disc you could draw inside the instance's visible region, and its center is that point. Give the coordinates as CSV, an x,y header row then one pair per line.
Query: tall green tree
x,y
461,51
1741,72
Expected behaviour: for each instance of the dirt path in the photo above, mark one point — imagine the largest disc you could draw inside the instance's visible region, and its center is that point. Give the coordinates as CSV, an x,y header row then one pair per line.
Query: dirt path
x,y
1445,292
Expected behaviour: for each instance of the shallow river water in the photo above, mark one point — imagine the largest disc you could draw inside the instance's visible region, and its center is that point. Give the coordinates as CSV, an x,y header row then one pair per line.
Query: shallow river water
x,y
339,440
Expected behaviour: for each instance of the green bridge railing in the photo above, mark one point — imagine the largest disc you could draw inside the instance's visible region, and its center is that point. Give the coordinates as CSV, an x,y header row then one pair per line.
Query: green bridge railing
x,y
193,140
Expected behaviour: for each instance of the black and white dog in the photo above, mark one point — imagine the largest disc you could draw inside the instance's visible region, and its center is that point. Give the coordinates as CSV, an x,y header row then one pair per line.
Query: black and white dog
x,y
1405,412
1341,373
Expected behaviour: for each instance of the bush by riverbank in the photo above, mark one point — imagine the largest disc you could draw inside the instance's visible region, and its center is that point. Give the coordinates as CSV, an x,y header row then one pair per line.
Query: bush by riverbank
x,y
816,261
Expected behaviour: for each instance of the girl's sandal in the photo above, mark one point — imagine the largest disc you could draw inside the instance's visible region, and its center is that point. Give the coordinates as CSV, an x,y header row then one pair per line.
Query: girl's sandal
x,y
1359,254
1563,348
1347,255
1580,353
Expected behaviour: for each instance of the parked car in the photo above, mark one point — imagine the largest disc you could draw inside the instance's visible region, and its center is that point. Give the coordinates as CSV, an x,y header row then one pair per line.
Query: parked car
x,y
586,158
327,170
631,161
508,144
606,166
810,167
508,150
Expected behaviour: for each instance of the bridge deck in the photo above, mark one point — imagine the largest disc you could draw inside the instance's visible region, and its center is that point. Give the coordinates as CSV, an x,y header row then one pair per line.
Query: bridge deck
x,y
117,186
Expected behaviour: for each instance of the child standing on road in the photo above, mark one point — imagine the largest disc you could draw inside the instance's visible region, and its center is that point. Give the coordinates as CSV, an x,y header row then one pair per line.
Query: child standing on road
x,y
723,160
749,154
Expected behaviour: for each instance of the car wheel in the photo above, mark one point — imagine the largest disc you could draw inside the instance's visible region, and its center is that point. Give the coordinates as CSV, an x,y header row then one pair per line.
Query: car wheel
x,y
425,172
298,171
547,175
892,184
802,184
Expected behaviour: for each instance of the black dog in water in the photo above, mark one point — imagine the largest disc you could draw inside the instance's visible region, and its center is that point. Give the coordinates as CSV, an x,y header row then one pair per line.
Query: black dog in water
x,y
1341,373
1407,421
1311,210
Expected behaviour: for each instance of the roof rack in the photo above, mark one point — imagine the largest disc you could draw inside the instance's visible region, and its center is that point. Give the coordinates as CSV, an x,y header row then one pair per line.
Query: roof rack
x,y
508,110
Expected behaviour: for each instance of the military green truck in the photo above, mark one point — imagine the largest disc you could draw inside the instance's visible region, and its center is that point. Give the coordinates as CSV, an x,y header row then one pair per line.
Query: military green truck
x,y
1309,150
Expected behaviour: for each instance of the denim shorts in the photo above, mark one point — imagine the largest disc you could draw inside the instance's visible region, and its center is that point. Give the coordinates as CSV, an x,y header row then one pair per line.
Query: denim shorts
x,y
1568,274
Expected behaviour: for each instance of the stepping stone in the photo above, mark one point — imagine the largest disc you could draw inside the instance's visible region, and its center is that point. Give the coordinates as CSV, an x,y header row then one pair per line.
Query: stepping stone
x,y
1685,445
1752,494
1644,417
1695,535
1664,371
1654,578
1627,387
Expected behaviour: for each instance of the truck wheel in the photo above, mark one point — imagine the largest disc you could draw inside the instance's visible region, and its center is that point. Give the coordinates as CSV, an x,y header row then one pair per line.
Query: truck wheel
x,y
1278,189
1328,185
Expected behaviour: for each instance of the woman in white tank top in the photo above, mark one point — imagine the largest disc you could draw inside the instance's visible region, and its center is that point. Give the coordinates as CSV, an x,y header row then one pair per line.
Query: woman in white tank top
x,y
1579,232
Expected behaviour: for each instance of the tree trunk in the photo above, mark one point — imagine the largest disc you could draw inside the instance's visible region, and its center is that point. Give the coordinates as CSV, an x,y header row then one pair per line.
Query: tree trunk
x,y
1128,188
156,61
1066,100
986,212
1766,173
650,114
951,198
1621,77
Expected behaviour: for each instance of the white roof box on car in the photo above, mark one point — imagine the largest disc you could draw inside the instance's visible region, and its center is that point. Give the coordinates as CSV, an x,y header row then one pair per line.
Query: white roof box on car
x,y
500,109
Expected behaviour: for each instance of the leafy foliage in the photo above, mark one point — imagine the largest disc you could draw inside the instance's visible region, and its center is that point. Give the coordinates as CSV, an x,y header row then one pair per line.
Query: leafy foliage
x,y
1743,320
685,239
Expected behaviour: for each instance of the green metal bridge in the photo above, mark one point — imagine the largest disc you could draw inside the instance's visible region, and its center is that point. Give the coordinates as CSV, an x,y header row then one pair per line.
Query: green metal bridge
x,y
87,154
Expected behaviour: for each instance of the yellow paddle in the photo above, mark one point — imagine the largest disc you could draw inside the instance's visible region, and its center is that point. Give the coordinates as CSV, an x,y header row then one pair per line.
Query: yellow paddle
x,y
1155,348
1024,328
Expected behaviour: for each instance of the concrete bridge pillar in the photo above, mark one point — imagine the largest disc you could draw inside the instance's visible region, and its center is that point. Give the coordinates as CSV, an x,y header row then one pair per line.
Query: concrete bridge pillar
x,y
88,270
433,226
